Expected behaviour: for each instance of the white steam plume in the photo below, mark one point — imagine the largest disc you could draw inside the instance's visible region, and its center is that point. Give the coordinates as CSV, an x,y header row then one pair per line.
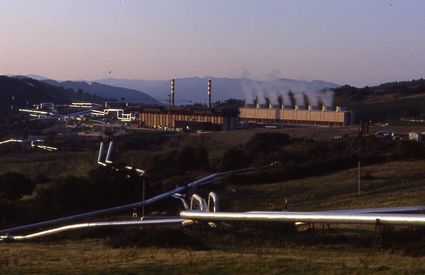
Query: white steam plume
x,y
272,89
248,91
260,93
272,92
327,97
285,96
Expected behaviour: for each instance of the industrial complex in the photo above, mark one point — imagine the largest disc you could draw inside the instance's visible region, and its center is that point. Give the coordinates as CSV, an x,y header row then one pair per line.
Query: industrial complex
x,y
229,119
206,118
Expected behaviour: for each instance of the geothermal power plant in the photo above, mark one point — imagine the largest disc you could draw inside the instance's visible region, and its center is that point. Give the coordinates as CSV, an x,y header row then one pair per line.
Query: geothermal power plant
x,y
277,105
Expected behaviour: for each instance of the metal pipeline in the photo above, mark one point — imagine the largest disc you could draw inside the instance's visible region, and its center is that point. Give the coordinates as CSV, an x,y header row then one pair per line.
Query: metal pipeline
x,y
307,217
107,211
108,154
181,198
196,200
99,156
212,202
384,210
90,225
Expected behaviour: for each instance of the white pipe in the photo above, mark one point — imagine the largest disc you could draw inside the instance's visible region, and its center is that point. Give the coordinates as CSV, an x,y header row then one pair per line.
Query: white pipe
x,y
99,156
212,202
383,210
180,197
200,202
108,154
196,183
48,148
89,225
140,171
307,217
11,140
35,112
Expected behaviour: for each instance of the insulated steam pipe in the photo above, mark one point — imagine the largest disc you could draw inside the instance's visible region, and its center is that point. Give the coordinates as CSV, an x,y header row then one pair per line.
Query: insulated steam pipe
x,y
99,157
384,210
196,200
107,211
306,217
212,202
90,225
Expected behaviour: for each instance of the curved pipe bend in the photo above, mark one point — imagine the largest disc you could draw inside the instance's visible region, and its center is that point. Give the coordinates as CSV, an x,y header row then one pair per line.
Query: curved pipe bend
x,y
196,200
212,202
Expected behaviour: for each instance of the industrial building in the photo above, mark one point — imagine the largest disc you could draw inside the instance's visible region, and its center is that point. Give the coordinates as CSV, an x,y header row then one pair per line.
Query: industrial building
x,y
188,119
282,116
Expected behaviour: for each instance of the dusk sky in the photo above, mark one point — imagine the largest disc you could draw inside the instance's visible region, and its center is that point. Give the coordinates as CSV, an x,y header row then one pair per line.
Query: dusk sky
x,y
356,42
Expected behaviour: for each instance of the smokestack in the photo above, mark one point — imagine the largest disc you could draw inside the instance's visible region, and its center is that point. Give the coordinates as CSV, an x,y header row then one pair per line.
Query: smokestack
x,y
209,93
172,92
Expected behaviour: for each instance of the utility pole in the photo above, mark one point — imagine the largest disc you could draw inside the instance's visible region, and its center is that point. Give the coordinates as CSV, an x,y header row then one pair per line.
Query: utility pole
x,y
143,195
358,178
169,112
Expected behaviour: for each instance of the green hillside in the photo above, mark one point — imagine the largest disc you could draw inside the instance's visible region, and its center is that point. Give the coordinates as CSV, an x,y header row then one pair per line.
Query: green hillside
x,y
388,101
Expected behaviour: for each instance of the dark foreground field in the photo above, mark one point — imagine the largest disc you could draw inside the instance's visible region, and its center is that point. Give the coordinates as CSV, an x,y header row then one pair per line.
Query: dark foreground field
x,y
93,256
260,249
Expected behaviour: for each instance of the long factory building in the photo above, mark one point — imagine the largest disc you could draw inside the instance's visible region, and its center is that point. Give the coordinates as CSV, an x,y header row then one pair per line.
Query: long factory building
x,y
228,119
185,118
296,116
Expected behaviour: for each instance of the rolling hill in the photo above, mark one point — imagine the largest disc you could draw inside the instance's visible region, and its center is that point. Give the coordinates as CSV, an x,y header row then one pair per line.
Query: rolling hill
x,y
107,91
22,92
388,101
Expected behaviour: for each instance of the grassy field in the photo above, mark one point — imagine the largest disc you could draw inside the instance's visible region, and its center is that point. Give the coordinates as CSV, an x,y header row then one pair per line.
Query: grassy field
x,y
50,164
344,250
93,256
382,185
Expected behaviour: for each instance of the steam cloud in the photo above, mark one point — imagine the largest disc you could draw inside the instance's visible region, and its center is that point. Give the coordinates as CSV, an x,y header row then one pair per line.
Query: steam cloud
x,y
272,90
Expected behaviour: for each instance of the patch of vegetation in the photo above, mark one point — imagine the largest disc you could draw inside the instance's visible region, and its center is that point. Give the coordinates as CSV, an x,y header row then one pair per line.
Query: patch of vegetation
x,y
14,185
388,101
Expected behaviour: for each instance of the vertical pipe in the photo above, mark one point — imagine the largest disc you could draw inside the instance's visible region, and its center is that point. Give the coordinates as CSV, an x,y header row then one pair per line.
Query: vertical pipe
x,y
143,196
172,92
209,93
358,178
99,157
108,154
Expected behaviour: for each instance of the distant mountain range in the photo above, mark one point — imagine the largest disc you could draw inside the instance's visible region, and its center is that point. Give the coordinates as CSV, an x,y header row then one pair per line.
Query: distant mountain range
x,y
194,89
107,91
23,92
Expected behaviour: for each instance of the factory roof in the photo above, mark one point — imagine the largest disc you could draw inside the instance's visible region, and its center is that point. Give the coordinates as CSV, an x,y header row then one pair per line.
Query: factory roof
x,y
228,112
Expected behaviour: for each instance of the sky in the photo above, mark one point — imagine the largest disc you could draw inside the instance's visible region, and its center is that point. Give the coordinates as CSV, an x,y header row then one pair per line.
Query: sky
x,y
355,42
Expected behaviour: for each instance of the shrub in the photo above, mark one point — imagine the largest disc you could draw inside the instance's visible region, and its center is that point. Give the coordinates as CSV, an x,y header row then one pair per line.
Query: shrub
x,y
234,159
15,185
267,142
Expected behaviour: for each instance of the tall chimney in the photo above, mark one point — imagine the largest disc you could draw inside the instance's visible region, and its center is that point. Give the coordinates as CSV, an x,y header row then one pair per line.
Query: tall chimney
x,y
209,93
172,92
